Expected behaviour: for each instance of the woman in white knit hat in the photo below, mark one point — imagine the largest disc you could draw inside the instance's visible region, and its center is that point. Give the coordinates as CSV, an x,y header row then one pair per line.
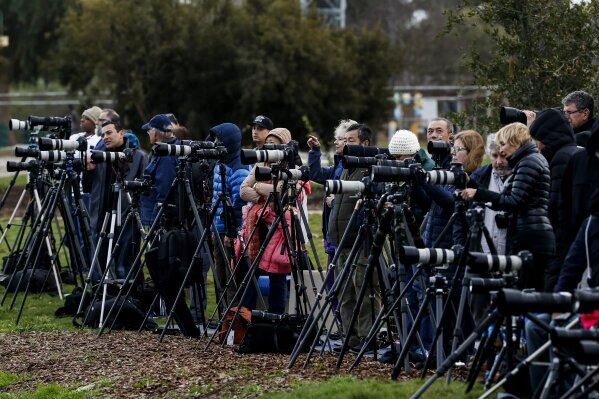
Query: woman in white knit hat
x,y
404,144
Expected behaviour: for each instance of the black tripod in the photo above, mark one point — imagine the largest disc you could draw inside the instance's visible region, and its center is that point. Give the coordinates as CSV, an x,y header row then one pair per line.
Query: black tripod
x,y
292,244
42,228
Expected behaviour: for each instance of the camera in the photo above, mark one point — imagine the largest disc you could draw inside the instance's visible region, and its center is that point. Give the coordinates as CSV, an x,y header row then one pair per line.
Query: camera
x,y
27,152
261,316
516,302
413,173
195,149
282,152
482,263
67,145
409,255
509,115
98,156
142,185
30,166
456,176
43,121
438,148
480,285
356,150
53,156
350,162
263,173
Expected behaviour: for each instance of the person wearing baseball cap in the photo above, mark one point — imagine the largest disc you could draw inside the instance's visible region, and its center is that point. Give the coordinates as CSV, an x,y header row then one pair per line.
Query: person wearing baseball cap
x,y
161,169
261,126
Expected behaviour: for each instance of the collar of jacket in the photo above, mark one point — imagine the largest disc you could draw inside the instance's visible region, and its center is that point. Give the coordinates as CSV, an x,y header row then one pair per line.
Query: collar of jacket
x,y
526,149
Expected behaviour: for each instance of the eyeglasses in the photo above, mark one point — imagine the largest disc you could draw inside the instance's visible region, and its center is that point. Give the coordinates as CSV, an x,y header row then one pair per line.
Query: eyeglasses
x,y
458,149
568,113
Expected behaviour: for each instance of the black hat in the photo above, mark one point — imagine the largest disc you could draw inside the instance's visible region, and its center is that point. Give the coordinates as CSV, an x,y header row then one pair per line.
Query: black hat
x,y
263,121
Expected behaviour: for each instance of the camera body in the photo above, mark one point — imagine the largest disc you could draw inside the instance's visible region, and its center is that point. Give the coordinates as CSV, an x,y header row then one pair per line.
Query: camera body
x,y
143,185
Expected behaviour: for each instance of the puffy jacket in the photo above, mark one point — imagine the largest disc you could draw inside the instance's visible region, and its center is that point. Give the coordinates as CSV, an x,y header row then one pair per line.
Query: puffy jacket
x,y
235,173
162,171
526,197
555,132
275,258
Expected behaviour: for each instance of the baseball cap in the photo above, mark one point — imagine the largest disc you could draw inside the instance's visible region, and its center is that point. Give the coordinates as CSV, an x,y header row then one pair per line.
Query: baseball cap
x,y
263,121
160,122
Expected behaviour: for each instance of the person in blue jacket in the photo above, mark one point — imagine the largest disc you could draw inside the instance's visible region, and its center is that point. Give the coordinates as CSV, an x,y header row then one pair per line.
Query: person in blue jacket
x,y
235,173
162,170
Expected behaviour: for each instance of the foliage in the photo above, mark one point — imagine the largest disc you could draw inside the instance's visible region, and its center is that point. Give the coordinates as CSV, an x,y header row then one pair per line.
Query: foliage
x,y
30,26
50,391
214,61
544,50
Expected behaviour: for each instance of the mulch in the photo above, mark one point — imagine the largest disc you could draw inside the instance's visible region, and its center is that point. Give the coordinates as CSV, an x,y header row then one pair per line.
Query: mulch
x,y
131,365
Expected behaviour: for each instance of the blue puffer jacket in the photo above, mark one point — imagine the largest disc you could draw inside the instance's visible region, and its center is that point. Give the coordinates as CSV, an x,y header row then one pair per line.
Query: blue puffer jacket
x,y
162,170
235,173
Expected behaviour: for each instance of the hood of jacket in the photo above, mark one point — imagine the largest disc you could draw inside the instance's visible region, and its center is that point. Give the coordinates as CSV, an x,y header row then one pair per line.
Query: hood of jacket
x,y
553,130
230,136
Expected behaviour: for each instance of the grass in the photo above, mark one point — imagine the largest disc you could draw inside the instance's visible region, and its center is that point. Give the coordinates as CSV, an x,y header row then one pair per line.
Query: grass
x,y
39,316
349,387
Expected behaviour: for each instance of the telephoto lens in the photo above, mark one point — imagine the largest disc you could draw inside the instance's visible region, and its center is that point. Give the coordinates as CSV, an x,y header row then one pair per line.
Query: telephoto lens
x,y
516,302
440,177
15,124
98,156
249,157
53,156
27,152
390,174
344,187
429,256
163,149
349,162
12,166
49,121
482,262
65,145
356,150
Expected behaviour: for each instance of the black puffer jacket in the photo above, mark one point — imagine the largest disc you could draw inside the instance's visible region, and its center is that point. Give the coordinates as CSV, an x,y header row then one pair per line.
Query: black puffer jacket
x,y
526,197
581,177
555,132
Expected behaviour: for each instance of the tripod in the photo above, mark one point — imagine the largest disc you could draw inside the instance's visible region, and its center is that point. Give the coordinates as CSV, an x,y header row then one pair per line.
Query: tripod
x,y
55,198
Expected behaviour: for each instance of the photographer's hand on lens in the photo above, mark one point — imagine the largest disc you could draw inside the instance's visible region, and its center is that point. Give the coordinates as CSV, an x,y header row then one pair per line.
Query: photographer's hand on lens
x,y
530,117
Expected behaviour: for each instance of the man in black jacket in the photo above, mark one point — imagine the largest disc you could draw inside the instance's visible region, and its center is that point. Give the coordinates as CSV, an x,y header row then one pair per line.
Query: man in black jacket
x,y
578,108
103,200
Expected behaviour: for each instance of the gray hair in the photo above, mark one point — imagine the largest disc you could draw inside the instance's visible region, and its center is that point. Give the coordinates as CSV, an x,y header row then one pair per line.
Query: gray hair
x,y
582,100
343,125
447,121
491,144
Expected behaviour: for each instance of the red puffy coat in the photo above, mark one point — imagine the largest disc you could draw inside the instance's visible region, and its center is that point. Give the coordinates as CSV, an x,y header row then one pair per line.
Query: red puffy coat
x,y
275,258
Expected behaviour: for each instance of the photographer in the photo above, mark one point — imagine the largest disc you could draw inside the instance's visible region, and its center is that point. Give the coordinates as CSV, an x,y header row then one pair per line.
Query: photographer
x,y
104,175
441,129
161,169
553,135
320,174
274,262
338,223
235,174
526,198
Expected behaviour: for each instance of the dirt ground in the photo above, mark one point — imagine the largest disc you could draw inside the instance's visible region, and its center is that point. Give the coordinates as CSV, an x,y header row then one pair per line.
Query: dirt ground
x,y
131,365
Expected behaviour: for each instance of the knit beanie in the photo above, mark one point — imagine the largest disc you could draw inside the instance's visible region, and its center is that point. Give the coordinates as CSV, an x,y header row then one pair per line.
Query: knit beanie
x,y
283,134
92,113
404,142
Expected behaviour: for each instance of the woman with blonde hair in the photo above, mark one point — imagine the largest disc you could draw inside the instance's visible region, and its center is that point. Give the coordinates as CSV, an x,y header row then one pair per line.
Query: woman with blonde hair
x,y
526,199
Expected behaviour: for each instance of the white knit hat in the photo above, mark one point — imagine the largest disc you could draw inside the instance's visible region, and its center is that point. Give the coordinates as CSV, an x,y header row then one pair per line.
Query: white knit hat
x,y
404,142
